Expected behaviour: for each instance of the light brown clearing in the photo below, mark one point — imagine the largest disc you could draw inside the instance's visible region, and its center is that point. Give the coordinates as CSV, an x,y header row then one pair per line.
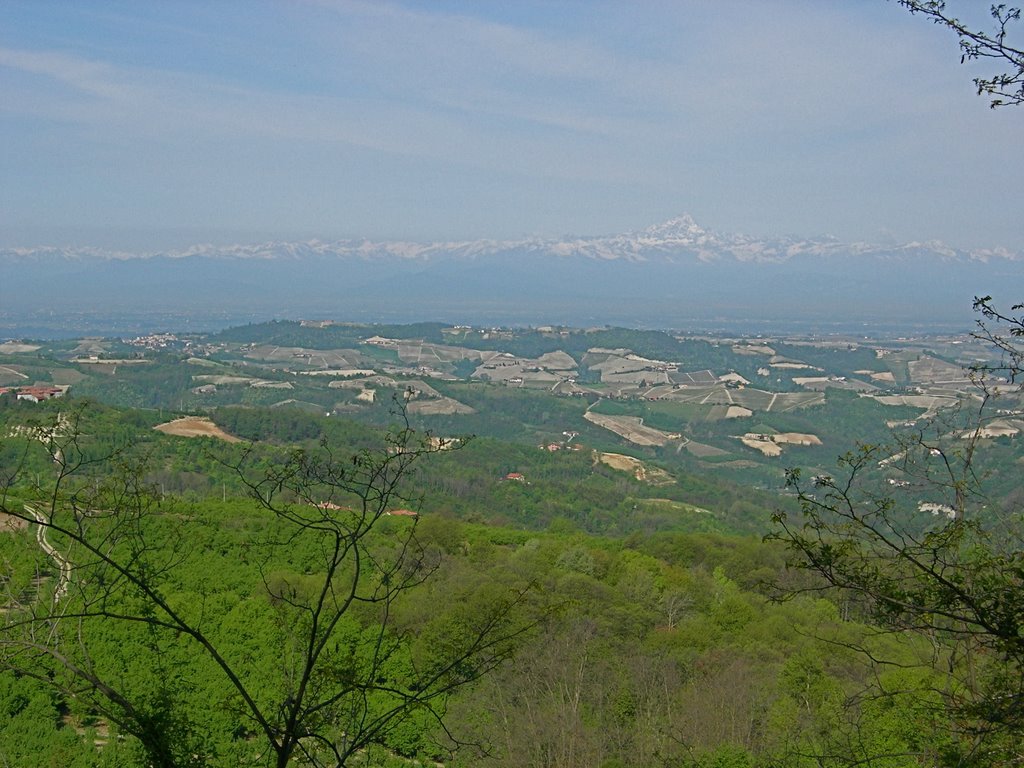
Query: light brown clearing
x,y
11,523
344,373
638,469
930,369
442,406
767,447
444,443
223,381
877,375
752,349
738,412
670,505
299,358
195,426
631,428
803,381
620,461
556,361
771,445
999,428
796,438
929,402
14,348
203,363
788,401
997,432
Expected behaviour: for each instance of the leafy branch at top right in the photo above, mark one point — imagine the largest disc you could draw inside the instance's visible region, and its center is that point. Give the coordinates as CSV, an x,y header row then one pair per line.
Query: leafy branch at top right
x,y
1005,87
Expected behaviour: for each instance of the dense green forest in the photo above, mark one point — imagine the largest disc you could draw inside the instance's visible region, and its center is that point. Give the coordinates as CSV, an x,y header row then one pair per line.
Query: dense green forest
x,y
575,616
567,593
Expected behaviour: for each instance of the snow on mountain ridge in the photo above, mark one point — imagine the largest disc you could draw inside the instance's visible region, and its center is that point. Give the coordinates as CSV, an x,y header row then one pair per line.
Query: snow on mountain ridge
x,y
679,236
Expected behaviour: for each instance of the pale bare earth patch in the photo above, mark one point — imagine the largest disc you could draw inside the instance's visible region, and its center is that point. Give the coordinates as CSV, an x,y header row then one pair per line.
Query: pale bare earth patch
x,y
754,399
444,443
767,447
1000,428
796,438
638,378
885,376
631,428
195,426
547,371
637,468
746,397
223,381
620,461
733,378
343,373
669,505
930,369
301,358
619,366
91,345
414,389
705,378
709,395
557,361
14,348
380,381
738,412
771,445
424,399
229,381
893,423
439,406
928,402
425,353
753,349
794,366
788,401
10,523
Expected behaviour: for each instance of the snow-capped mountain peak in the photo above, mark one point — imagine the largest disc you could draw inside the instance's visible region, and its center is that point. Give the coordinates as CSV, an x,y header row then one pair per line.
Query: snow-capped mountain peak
x,y
675,240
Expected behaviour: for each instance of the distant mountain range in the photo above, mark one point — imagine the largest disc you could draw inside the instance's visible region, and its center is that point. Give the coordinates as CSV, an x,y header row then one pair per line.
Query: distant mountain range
x,y
678,237
674,274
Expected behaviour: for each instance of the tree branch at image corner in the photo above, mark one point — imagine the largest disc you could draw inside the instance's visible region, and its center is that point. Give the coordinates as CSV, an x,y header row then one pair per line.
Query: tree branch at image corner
x,y
1005,88
338,698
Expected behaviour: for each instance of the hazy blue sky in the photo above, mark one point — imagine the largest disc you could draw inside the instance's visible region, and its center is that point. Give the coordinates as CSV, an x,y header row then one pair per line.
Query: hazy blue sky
x,y
154,124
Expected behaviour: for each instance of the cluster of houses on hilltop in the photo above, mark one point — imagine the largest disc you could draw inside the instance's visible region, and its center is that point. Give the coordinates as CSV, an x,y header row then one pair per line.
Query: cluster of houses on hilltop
x,y
35,393
155,341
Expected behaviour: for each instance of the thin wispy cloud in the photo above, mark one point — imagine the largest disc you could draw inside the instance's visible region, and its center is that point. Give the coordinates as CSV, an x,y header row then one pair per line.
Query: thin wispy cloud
x,y
336,117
